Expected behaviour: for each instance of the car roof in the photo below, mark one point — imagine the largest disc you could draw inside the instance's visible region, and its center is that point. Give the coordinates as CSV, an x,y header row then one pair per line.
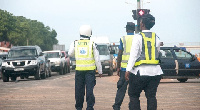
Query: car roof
x,y
163,48
52,51
23,47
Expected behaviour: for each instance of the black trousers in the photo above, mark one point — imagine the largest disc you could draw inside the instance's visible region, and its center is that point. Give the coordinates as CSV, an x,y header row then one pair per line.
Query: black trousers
x,y
122,86
138,83
85,79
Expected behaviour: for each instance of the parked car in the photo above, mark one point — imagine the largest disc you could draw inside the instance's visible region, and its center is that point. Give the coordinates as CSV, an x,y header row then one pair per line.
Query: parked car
x,y
67,61
23,61
57,61
177,63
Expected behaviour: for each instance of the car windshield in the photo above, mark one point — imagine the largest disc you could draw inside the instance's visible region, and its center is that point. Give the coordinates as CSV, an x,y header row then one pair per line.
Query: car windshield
x,y
103,49
53,55
22,53
182,54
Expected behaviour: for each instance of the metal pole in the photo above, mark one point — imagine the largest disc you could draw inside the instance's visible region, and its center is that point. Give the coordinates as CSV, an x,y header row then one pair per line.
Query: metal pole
x,y
138,4
137,26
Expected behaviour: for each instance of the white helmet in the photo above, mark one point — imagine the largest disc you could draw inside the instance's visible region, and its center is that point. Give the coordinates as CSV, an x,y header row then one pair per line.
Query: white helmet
x,y
85,31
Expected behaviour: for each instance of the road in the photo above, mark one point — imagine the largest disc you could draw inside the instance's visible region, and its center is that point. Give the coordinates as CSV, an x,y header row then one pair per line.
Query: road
x,y
57,93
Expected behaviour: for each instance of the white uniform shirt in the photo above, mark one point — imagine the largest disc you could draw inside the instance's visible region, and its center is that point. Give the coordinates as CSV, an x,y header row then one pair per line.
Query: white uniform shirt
x,y
136,49
95,52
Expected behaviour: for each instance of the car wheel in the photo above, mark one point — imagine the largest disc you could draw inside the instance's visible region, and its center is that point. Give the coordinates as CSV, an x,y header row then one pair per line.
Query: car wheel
x,y
43,76
68,69
5,78
61,71
64,70
50,73
13,78
26,76
110,73
37,74
182,80
21,77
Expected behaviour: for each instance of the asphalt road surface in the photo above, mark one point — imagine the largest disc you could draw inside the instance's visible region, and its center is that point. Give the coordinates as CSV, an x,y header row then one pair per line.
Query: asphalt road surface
x,y
57,93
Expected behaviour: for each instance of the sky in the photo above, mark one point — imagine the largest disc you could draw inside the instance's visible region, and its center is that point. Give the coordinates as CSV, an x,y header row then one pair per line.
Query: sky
x,y
177,21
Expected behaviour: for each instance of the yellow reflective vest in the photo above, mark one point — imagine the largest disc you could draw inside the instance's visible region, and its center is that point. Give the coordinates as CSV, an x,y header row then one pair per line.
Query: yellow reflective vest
x,y
84,55
127,42
149,54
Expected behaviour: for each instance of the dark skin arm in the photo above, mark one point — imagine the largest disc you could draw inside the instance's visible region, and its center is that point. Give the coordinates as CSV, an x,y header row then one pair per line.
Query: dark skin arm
x,y
119,60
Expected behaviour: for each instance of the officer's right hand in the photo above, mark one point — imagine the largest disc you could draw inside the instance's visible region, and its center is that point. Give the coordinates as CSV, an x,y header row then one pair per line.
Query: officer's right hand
x,y
118,71
100,75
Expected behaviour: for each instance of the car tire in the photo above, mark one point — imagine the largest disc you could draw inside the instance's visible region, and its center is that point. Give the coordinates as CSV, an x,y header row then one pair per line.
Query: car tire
x,y
50,73
37,74
182,80
13,78
110,73
61,71
5,78
65,70
43,76
68,69
21,77
26,76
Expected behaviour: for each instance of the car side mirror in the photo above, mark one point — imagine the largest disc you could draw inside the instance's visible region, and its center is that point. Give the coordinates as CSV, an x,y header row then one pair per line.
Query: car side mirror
x,y
40,54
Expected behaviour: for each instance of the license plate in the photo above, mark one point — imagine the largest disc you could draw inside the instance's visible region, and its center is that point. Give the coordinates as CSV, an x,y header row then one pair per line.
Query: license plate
x,y
19,69
107,66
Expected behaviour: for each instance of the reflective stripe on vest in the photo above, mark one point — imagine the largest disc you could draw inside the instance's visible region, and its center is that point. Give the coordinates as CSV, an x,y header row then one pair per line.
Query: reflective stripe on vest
x,y
84,55
149,54
127,42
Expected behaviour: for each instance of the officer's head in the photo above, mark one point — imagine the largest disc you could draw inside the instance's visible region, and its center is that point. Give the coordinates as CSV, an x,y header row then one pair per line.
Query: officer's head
x,y
147,21
85,31
130,27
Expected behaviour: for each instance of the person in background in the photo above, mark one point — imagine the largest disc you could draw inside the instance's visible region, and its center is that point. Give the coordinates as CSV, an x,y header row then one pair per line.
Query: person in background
x,y
122,59
87,56
143,70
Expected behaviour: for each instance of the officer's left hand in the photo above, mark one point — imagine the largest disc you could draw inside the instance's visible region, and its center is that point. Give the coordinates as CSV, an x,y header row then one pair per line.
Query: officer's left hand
x,y
127,75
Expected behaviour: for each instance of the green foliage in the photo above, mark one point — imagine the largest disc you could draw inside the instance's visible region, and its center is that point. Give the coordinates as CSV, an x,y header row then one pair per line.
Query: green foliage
x,y
21,31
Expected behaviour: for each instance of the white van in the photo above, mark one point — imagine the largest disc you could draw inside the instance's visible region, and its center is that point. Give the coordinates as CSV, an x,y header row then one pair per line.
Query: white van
x,y
103,46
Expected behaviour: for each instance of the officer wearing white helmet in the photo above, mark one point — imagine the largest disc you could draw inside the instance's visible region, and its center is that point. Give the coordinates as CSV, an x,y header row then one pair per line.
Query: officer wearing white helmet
x,y
87,60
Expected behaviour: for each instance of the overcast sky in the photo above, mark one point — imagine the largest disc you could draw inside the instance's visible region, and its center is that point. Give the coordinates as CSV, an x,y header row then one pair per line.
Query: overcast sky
x,y
176,20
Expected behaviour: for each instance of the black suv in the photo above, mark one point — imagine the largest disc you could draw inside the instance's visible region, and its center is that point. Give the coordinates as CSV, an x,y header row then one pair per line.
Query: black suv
x,y
24,61
178,63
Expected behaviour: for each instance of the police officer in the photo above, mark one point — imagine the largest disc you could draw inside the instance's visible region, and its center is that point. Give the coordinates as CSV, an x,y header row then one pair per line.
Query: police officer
x,y
143,65
86,56
122,59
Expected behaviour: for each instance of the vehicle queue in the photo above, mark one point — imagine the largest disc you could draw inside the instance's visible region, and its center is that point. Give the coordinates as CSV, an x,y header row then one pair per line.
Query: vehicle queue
x,y
176,63
25,61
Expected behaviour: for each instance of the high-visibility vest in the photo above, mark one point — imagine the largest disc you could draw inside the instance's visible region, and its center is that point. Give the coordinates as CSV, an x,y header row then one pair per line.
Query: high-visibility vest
x,y
84,55
149,54
127,42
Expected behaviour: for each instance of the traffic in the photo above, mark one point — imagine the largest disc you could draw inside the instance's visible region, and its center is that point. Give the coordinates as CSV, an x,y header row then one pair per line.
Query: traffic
x,y
24,61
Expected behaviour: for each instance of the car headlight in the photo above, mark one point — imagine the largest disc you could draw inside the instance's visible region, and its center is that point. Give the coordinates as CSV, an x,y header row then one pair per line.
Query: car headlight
x,y
33,62
4,64
57,62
